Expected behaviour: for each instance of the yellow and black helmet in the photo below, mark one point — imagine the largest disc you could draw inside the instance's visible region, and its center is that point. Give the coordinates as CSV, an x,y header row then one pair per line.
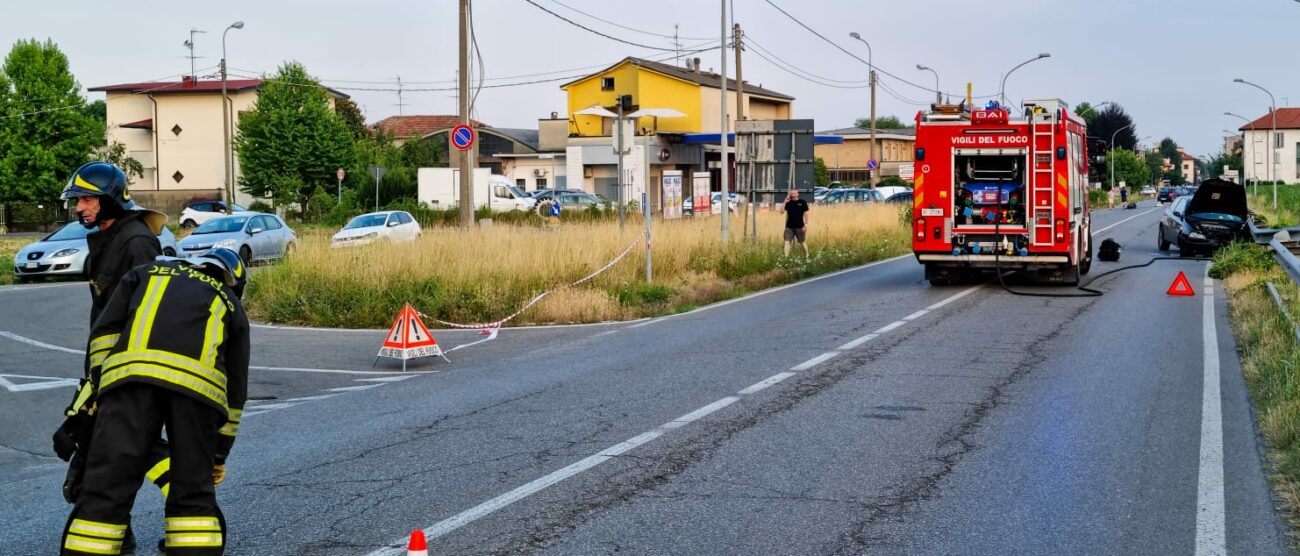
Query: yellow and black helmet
x,y
99,179
231,265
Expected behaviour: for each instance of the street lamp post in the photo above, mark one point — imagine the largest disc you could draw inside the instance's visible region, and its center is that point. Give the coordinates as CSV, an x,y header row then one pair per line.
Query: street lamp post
x,y
1110,154
871,151
225,124
1002,89
938,96
1272,134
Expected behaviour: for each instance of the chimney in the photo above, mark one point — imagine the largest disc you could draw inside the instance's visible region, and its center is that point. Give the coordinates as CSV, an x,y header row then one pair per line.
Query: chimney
x,y
695,65
188,82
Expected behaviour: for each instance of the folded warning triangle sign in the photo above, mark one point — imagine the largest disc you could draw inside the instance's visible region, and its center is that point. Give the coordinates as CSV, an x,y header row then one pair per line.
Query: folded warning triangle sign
x,y
409,338
1181,286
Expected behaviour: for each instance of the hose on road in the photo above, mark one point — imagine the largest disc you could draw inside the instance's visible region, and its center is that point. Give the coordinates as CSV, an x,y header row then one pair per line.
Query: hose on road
x,y
1087,291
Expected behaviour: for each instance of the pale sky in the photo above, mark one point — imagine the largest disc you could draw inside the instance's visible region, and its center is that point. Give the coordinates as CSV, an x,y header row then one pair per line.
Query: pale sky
x,y
1169,63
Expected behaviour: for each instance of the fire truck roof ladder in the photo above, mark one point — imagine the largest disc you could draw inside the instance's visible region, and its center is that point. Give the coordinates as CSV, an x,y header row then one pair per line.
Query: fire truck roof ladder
x,y
1042,186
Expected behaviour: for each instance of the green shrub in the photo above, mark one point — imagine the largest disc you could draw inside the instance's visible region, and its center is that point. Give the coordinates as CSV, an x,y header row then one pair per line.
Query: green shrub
x,y
261,206
632,295
1241,256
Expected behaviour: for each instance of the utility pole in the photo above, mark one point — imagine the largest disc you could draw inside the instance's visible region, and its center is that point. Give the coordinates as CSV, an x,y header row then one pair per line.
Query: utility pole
x,y
875,174
736,44
400,104
618,132
725,199
466,170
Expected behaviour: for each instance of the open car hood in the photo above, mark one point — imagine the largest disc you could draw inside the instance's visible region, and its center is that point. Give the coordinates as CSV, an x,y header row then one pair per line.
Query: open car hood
x,y
1220,197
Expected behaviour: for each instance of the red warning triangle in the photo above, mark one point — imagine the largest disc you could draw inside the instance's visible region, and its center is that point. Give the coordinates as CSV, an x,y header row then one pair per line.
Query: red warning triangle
x,y
1181,286
409,331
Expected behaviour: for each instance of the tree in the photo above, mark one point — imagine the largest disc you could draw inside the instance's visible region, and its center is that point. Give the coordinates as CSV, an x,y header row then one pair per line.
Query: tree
x,y
45,129
291,142
1155,164
1129,168
351,114
116,154
820,176
1169,149
1224,161
1106,123
885,122
1085,111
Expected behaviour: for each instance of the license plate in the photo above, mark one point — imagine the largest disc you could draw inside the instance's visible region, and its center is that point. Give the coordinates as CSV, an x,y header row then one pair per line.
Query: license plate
x,y
33,265
932,212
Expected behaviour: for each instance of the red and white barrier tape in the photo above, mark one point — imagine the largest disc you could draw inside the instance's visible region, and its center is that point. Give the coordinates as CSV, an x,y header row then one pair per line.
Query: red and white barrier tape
x,y
497,324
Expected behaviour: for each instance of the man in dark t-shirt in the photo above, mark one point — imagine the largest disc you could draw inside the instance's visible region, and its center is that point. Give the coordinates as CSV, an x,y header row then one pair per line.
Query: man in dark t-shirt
x,y
796,221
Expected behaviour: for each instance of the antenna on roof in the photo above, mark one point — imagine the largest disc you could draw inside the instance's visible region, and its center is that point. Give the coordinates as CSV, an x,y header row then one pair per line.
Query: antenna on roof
x,y
677,48
190,45
400,104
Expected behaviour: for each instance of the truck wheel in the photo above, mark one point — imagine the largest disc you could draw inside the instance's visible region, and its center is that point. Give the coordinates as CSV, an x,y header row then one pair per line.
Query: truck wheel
x,y
1073,276
1086,264
938,276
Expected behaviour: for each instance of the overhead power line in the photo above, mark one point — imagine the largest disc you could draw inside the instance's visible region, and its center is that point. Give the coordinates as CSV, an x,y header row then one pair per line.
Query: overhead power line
x,y
633,29
590,30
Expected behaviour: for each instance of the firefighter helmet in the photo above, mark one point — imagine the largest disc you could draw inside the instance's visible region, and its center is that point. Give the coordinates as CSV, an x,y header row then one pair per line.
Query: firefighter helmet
x,y
99,179
231,265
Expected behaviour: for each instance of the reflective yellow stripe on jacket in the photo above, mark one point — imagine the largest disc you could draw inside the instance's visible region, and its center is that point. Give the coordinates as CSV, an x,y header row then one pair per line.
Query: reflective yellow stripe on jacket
x,y
194,532
93,537
174,368
232,422
99,348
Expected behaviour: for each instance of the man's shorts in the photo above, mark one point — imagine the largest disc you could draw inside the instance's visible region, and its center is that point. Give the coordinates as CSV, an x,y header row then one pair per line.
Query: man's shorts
x,y
792,234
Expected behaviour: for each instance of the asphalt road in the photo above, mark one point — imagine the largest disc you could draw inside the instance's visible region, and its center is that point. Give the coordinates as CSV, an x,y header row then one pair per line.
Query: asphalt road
x,y
863,412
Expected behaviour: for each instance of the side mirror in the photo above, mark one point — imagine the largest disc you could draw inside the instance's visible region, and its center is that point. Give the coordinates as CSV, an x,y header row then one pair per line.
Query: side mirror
x,y
1078,210
254,231
393,224
1178,214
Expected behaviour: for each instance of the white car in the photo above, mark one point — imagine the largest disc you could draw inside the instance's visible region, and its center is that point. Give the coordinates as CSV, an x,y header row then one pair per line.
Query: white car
x,y
392,225
891,190
198,212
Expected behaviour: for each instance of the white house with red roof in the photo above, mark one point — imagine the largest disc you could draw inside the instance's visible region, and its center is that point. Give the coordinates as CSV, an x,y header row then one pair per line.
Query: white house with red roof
x,y
175,130
1258,139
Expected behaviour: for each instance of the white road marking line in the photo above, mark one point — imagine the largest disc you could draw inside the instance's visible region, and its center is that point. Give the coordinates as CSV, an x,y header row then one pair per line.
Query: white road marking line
x,y
605,333
31,342
953,298
25,288
890,326
1107,228
332,371
307,398
386,378
814,361
858,342
35,383
1210,521
267,407
640,324
353,388
916,315
702,412
763,384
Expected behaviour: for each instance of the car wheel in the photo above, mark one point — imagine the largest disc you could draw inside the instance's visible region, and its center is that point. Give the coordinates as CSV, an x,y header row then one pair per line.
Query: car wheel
x,y
168,251
25,279
246,254
1160,239
189,223
289,249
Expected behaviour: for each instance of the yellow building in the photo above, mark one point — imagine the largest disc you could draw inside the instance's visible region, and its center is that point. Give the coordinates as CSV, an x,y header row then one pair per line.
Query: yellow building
x,y
174,130
654,144
688,90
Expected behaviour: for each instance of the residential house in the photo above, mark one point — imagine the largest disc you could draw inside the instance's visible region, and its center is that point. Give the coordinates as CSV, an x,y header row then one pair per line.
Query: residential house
x,y
1285,143
847,161
653,144
1187,166
174,130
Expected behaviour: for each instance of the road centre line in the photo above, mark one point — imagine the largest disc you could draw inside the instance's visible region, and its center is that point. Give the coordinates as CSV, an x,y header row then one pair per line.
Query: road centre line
x,y
39,344
763,384
475,513
890,326
814,361
858,342
1211,538
1107,228
916,315
354,388
41,287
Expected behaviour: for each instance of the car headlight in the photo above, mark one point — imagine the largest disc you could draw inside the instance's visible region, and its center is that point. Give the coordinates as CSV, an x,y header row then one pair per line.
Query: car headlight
x,y
227,243
1196,235
371,235
65,252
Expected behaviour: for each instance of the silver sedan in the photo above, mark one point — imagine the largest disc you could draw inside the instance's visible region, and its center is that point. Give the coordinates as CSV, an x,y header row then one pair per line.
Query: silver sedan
x,y
255,236
63,253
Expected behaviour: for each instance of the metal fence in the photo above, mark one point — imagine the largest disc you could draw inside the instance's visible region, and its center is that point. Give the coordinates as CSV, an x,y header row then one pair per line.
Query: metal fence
x,y
33,217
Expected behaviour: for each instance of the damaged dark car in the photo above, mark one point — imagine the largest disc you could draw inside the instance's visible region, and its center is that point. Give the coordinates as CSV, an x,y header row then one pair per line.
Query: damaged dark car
x,y
1211,218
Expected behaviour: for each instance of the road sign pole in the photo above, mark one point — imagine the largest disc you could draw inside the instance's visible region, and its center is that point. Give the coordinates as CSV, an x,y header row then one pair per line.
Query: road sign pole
x,y
340,175
645,212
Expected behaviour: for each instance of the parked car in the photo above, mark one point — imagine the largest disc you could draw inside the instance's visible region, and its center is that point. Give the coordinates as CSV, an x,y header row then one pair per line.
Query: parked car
x,y
890,190
854,195
688,204
198,212
902,198
255,236
391,225
1205,221
1147,190
64,252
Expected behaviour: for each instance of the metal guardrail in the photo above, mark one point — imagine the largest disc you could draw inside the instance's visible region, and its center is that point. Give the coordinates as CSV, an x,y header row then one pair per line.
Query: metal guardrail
x,y
1285,248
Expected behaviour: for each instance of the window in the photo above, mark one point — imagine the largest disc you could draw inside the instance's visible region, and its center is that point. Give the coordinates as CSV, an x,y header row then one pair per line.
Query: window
x,y
1278,139
272,223
404,218
541,182
393,219
607,83
501,192
521,182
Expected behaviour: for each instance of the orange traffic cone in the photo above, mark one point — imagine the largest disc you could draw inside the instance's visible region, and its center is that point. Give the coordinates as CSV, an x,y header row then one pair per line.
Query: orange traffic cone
x,y
417,547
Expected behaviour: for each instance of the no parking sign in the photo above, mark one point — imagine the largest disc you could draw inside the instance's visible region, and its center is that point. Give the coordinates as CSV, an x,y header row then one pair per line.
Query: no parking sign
x,y
462,137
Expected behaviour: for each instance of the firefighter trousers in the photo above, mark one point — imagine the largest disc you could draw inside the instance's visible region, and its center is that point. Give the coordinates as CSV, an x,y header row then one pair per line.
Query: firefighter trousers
x,y
129,421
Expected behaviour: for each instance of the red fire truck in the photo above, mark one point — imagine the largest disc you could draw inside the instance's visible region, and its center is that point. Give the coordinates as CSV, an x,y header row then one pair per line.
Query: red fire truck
x,y
997,191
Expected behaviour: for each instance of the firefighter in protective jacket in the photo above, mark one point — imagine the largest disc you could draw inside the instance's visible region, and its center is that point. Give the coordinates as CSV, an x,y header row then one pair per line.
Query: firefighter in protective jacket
x,y
169,350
